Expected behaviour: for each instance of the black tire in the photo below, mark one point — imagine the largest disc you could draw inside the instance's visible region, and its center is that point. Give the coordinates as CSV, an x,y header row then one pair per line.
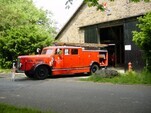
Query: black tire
x,y
29,74
94,68
41,72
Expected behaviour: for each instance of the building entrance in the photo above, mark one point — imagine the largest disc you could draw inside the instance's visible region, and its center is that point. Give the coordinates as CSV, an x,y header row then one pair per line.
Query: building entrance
x,y
114,36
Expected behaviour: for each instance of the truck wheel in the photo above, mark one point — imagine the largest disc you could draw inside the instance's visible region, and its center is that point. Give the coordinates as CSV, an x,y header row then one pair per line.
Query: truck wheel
x,y
29,74
41,72
94,68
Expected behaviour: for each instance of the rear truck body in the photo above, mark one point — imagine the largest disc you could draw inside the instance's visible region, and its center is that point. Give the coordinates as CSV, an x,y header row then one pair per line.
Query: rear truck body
x,y
62,60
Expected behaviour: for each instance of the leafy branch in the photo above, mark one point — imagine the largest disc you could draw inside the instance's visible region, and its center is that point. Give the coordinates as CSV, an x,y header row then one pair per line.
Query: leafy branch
x,y
95,3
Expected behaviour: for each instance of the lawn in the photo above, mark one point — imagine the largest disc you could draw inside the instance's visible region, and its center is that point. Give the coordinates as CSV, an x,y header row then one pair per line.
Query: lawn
x,y
5,70
5,108
126,78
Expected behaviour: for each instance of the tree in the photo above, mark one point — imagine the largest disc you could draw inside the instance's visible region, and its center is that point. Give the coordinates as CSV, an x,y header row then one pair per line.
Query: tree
x,y
23,28
142,38
95,3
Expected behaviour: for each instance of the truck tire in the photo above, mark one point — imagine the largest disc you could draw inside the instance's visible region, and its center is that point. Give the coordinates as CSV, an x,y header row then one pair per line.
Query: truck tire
x,y
41,72
94,68
29,74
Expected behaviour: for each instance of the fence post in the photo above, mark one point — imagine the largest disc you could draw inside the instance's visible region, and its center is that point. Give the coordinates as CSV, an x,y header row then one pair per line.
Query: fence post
x,y
13,72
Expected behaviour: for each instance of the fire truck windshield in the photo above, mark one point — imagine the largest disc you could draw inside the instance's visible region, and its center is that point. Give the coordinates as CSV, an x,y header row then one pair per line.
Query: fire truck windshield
x,y
47,51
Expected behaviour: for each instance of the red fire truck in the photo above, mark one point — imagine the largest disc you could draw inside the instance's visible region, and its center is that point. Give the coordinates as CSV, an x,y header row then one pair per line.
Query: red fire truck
x,y
62,60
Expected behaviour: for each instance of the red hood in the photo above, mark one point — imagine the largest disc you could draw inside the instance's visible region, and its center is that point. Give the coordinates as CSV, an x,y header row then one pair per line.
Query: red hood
x,y
35,59
26,62
35,56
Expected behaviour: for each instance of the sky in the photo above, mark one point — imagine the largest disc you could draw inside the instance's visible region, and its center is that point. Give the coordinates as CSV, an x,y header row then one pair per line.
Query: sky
x,y
57,7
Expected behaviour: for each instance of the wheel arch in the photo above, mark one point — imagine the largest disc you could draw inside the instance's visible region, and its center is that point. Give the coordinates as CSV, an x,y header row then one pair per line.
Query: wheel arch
x,y
93,68
94,62
47,66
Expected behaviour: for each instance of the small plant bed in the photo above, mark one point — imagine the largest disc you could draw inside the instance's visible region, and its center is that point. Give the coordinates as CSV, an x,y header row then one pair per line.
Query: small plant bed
x,y
111,76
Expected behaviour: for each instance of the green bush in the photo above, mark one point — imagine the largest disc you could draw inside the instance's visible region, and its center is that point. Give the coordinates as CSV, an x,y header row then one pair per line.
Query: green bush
x,y
145,77
23,29
142,38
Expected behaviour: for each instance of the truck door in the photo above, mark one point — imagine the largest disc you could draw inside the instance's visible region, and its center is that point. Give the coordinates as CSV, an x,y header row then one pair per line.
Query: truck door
x,y
71,58
58,58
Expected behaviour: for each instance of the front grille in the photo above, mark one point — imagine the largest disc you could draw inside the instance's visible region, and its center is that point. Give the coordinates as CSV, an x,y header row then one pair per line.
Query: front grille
x,y
18,63
18,66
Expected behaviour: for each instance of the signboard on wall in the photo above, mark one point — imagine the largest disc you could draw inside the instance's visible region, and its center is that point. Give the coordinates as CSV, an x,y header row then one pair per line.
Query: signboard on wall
x,y
128,48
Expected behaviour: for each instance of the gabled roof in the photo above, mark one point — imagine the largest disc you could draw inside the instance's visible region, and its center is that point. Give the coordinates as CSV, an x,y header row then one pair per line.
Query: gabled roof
x,y
66,24
78,9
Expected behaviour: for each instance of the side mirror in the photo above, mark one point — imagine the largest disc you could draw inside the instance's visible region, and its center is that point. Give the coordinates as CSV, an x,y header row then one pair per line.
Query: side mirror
x,y
38,50
59,51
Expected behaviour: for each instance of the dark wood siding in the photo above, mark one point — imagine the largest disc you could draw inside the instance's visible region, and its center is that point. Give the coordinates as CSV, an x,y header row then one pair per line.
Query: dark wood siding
x,y
135,55
91,35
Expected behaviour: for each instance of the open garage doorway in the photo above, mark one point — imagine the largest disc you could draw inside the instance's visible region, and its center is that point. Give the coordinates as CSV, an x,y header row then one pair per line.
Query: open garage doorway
x,y
114,36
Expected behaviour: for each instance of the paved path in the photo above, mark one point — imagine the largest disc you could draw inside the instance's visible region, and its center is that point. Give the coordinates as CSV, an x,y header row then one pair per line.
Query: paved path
x,y
68,95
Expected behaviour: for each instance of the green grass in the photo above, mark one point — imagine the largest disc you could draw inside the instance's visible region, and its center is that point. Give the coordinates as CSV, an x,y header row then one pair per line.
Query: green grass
x,y
5,70
5,108
127,78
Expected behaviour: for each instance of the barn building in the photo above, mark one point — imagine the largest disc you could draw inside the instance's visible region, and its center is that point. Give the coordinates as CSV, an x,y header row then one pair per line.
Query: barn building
x,y
113,26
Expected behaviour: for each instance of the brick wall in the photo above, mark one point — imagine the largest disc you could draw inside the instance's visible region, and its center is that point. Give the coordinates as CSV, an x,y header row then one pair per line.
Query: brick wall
x,y
89,15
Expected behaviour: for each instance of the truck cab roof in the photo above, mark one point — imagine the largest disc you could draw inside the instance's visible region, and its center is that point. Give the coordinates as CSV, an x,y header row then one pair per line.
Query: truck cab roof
x,y
50,47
